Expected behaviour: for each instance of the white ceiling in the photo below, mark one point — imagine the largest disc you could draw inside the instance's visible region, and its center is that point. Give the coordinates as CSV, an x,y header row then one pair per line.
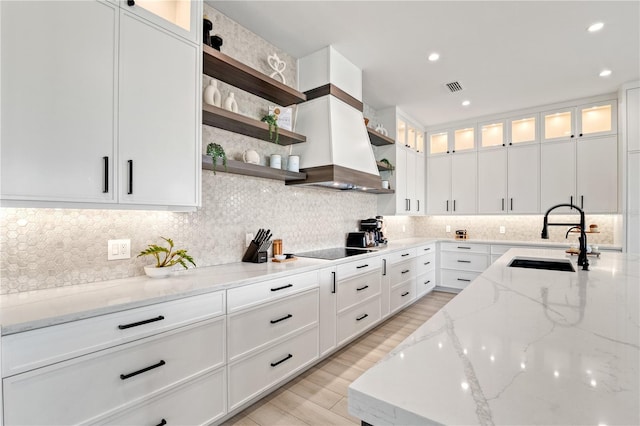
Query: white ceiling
x,y
507,55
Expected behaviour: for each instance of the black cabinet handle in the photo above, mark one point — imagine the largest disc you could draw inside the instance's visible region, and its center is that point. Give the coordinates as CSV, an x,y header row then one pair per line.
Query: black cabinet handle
x,y
464,261
580,135
275,364
405,254
511,201
405,271
282,288
362,266
333,288
286,317
427,249
163,421
510,143
409,209
404,294
463,247
582,201
572,136
426,263
418,205
503,145
362,288
135,324
454,205
144,370
362,317
131,3
130,190
105,187
384,267
453,151
571,202
464,279
503,204
447,205
427,282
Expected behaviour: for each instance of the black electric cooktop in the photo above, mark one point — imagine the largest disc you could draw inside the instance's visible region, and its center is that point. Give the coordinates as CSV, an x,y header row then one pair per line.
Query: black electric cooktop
x,y
333,253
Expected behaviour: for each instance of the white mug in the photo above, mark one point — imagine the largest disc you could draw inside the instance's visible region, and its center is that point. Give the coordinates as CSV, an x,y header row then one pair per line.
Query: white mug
x,y
385,184
293,164
251,157
276,161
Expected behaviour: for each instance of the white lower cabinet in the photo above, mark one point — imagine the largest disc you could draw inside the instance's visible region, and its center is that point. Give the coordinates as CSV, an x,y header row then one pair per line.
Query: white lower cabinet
x,y
358,319
403,294
328,309
461,263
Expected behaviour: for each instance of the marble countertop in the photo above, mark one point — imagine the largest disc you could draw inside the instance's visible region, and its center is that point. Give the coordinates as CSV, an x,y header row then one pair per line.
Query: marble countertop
x,y
519,346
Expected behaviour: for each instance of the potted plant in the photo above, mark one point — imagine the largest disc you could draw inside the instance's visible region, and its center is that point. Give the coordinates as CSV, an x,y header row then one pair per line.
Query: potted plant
x,y
272,121
388,165
165,259
216,151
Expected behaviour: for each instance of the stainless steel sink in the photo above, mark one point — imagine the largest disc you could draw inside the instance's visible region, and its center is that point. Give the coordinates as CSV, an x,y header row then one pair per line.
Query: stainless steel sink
x,y
550,264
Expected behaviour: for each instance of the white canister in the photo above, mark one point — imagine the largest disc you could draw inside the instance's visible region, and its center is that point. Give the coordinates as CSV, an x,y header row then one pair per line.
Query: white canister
x,y
275,161
293,163
385,184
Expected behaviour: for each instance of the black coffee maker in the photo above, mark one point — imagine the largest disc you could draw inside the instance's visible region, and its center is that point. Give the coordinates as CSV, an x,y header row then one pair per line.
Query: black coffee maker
x,y
373,231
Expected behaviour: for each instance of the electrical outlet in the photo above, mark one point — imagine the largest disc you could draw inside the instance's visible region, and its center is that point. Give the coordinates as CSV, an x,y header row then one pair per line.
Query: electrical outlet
x,y
118,249
248,238
448,228
503,230
403,228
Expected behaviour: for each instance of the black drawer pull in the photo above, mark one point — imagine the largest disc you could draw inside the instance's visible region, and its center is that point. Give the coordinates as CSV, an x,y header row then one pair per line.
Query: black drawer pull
x,y
162,422
405,271
464,261
281,319
362,288
135,324
427,249
404,294
105,188
362,266
131,3
144,370
130,190
275,364
426,263
427,282
463,247
333,288
282,288
406,254
464,279
384,265
362,317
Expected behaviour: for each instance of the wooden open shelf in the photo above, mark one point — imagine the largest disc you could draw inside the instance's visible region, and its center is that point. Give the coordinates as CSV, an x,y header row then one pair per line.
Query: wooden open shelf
x,y
382,167
237,123
255,170
224,68
380,191
379,139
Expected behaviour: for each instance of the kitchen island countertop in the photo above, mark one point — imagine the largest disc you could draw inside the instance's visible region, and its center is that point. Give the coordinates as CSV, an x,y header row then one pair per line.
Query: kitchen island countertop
x,y
518,346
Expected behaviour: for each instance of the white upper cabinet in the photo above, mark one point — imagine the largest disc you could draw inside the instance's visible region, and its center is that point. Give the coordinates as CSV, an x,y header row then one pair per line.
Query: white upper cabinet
x,y
464,139
523,129
597,174
523,187
587,120
181,17
438,143
449,141
557,175
492,134
58,105
492,181
438,185
451,184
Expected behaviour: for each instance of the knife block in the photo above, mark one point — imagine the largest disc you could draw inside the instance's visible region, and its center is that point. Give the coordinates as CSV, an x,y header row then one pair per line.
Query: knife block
x,y
255,254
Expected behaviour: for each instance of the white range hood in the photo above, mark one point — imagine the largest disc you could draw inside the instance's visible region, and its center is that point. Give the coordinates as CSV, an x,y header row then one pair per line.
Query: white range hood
x,y
338,152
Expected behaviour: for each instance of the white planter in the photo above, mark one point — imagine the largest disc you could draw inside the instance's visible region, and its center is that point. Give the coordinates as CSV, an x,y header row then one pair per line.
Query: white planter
x,y
154,272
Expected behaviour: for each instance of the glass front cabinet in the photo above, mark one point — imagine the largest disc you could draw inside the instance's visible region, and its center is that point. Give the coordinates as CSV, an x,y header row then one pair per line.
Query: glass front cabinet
x,y
594,119
457,139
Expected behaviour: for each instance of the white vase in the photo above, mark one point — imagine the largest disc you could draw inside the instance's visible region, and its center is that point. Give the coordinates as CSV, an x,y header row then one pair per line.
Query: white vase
x,y
154,272
230,103
212,95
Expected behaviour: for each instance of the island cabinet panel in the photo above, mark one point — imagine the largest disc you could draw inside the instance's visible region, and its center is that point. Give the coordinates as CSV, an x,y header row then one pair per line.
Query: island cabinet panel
x,y
96,385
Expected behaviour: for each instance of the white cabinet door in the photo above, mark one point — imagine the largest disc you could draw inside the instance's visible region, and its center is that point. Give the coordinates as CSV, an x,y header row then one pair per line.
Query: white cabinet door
x,y
633,203
439,184
400,173
58,108
557,175
524,179
182,18
492,181
159,99
597,119
328,294
632,120
411,182
419,182
464,169
597,174
558,125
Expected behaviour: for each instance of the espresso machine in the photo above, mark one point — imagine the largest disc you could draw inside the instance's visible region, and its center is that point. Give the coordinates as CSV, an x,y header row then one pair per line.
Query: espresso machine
x,y
373,229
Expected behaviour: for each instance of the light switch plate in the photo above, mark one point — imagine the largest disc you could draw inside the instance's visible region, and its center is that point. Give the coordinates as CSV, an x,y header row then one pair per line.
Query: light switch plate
x,y
118,249
448,228
503,230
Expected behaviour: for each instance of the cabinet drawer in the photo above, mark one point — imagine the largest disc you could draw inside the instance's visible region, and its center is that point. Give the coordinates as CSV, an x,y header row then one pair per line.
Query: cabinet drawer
x,y
93,385
465,261
425,263
358,319
500,249
357,289
403,294
401,255
456,279
363,266
249,377
36,348
253,294
248,330
402,271
425,282
464,247
199,402
427,248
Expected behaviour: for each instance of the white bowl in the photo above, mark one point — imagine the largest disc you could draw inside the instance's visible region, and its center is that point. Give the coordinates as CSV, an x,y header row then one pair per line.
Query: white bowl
x,y
154,272
280,256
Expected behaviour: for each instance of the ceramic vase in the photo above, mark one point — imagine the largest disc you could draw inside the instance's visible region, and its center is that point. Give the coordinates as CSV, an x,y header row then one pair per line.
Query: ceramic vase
x,y
153,272
212,94
230,103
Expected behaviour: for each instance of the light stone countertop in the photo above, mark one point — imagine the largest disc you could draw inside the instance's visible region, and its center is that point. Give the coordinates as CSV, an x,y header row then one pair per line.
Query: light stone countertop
x,y
519,346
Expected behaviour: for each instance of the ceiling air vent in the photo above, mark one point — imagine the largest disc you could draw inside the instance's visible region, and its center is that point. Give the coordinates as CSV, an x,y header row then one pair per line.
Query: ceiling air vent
x,y
454,86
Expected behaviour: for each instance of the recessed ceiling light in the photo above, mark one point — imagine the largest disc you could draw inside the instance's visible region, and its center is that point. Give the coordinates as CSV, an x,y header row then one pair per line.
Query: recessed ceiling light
x,y
434,57
605,73
466,103
595,27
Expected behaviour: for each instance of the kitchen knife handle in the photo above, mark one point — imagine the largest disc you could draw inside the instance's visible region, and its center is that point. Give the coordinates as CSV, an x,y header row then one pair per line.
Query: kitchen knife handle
x,y
130,190
333,288
105,188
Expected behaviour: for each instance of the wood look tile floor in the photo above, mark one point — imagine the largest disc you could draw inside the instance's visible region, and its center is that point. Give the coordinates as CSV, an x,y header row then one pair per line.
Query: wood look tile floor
x,y
319,395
